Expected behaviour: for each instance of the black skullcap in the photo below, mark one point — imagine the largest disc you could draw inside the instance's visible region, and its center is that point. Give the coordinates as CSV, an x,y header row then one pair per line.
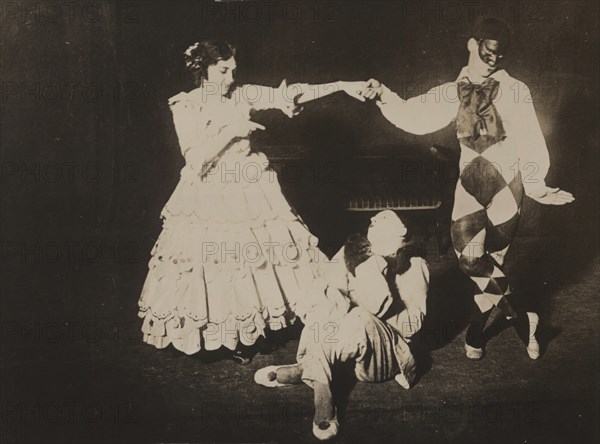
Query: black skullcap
x,y
492,29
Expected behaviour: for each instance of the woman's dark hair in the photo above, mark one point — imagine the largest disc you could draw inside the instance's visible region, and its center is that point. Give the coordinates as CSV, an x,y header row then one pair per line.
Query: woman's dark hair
x,y
200,56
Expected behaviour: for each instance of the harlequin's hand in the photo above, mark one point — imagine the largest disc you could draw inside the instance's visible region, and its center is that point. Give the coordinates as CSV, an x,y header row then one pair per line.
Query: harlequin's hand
x,y
292,110
551,196
373,89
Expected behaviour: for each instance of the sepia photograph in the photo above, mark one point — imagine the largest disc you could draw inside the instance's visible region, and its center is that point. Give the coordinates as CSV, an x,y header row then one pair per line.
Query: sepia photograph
x,y
244,221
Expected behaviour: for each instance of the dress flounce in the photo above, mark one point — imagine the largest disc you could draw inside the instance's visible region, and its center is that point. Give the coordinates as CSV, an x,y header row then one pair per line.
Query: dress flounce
x,y
232,260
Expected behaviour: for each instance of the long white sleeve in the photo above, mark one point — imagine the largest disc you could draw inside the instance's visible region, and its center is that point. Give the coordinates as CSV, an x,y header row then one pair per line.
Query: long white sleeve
x,y
185,119
199,139
423,114
370,289
259,97
533,152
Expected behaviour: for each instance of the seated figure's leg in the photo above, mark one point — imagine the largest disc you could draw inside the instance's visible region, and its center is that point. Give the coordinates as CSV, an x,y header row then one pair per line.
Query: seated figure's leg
x,y
377,349
322,345
384,353
325,411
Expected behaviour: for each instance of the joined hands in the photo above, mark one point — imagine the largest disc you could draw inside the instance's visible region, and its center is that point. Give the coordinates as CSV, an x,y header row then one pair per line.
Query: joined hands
x,y
369,90
287,99
290,98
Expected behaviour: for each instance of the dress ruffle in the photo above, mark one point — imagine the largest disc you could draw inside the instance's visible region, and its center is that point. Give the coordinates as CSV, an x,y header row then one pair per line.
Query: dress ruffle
x,y
232,260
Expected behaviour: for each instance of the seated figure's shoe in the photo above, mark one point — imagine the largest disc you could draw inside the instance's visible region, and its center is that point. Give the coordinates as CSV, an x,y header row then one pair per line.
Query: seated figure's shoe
x,y
474,353
533,347
326,429
267,376
401,379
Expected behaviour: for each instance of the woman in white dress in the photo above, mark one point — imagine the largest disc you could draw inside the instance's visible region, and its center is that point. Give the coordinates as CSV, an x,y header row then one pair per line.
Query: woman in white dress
x,y
233,259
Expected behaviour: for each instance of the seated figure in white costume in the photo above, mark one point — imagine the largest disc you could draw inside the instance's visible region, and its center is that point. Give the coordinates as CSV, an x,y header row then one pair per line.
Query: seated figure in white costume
x,y
375,301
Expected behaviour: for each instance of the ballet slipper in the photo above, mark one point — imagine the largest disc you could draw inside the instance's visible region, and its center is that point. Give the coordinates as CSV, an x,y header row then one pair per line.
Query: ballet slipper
x,y
262,376
474,353
326,429
401,379
533,348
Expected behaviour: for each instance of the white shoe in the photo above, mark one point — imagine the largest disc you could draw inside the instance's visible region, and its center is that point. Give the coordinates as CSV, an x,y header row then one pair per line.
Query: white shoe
x,y
326,429
401,379
533,348
474,353
262,376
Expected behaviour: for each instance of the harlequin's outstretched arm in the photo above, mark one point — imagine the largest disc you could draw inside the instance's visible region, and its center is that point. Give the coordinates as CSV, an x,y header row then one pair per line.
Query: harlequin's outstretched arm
x,y
419,115
307,92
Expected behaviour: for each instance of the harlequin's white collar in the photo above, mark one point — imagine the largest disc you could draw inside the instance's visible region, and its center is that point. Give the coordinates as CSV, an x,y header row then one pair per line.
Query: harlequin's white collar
x,y
500,75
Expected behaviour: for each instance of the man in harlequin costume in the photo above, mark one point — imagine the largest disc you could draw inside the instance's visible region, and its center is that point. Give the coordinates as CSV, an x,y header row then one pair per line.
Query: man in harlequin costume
x,y
503,156
373,304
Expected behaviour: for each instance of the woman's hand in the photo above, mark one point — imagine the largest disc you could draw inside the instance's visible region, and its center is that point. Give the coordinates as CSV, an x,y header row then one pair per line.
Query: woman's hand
x,y
354,89
551,196
243,128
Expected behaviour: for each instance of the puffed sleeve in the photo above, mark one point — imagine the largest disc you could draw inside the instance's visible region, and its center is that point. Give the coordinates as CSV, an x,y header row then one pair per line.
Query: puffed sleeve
x,y
370,289
422,114
199,139
186,118
336,272
413,286
533,153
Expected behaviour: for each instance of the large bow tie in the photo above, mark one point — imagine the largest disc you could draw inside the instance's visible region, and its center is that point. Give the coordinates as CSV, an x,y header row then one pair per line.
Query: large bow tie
x,y
477,115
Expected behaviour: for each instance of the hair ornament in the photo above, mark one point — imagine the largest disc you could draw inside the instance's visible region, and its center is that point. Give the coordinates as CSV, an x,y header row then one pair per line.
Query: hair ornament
x,y
192,61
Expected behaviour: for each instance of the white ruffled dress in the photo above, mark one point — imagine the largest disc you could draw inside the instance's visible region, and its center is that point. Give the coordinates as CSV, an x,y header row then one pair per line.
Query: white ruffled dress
x,y
233,259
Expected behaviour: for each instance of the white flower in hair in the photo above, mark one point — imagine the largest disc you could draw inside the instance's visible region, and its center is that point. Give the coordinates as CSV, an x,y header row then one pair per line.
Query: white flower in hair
x,y
188,52
190,60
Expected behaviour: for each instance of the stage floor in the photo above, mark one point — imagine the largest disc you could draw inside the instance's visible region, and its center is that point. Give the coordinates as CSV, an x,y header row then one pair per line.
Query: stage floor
x,y
74,369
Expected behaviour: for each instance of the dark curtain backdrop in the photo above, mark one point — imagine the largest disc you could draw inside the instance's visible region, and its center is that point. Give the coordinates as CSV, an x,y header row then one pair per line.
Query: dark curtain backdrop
x,y
89,153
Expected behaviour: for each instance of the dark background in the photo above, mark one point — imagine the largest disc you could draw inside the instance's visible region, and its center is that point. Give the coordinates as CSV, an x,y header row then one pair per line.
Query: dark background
x,y
90,156
56,60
